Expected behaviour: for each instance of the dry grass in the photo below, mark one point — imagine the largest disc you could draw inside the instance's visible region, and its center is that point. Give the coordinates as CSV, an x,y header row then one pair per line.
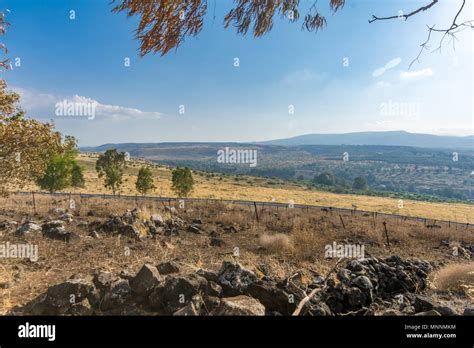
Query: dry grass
x,y
458,277
276,243
306,231
225,187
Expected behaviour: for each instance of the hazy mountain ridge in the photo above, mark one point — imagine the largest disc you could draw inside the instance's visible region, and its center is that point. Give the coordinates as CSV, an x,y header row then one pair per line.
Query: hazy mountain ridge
x,y
392,138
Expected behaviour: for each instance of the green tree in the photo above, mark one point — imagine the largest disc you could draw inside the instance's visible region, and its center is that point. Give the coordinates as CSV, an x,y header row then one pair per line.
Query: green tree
x,y
326,178
182,181
110,166
57,175
77,175
144,181
62,170
359,183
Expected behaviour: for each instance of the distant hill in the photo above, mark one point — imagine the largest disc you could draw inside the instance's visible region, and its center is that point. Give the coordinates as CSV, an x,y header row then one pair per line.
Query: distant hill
x,y
395,138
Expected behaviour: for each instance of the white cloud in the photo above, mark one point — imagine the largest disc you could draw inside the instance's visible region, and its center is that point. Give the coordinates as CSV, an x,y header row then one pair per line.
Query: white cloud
x,y
32,101
408,75
390,65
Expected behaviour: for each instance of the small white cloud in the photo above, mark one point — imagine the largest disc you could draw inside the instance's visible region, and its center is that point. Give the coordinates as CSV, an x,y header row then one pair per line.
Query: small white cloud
x,y
390,65
33,101
393,63
408,75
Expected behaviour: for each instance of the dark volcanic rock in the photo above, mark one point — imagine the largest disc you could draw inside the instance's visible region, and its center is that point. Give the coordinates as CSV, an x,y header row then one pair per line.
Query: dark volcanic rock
x,y
239,305
146,279
177,292
168,267
234,278
273,298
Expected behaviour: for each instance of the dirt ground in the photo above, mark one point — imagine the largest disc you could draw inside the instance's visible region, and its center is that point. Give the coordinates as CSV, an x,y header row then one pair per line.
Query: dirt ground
x,y
306,235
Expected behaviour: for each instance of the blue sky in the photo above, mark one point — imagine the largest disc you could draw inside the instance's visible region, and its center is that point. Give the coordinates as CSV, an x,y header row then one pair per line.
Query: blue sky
x,y
286,70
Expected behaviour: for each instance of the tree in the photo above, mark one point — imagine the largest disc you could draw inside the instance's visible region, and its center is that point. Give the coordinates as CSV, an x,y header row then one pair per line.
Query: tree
x,y
359,183
182,181
26,146
110,166
77,175
57,175
62,170
326,178
164,25
144,182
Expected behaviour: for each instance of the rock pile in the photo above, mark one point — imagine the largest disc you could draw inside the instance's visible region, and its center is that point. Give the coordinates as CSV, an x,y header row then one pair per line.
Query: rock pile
x,y
360,287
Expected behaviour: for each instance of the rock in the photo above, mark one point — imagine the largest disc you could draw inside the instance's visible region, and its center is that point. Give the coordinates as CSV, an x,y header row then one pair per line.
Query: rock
x,y
94,235
8,225
197,221
102,280
57,211
126,275
239,305
468,311
67,293
273,298
120,291
214,289
392,312
146,279
211,303
230,229
5,285
362,282
187,310
445,310
216,242
354,266
423,303
208,275
28,227
129,231
431,313
344,275
194,229
82,308
356,298
157,219
320,310
168,267
55,230
177,292
234,278
67,217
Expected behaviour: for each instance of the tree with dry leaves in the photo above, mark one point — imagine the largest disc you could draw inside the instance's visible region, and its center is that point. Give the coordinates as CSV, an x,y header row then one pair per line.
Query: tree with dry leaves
x,y
26,145
165,24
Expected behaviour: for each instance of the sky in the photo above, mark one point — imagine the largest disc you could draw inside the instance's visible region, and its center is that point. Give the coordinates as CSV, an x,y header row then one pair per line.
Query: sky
x,y
350,76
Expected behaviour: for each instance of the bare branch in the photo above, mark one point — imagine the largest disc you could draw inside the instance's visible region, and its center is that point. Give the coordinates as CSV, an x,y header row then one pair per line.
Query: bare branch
x,y
406,16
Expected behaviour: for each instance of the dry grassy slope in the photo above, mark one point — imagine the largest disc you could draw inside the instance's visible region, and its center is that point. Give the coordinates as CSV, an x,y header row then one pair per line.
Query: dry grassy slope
x,y
258,189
